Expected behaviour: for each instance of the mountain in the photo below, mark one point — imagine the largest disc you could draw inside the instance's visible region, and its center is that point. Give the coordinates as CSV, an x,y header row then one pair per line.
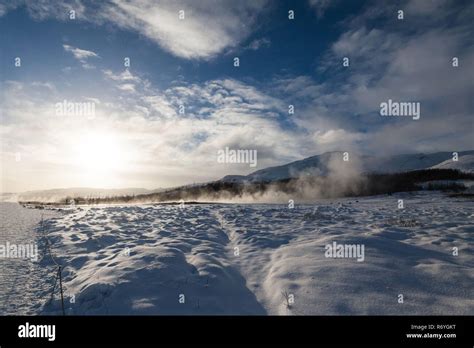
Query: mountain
x,y
316,164
332,162
464,163
329,164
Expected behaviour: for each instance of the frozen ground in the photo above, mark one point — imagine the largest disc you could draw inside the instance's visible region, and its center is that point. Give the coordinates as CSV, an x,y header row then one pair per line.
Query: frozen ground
x,y
239,259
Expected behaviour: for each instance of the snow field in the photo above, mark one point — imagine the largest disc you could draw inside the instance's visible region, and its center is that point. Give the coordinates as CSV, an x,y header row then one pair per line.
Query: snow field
x,y
246,259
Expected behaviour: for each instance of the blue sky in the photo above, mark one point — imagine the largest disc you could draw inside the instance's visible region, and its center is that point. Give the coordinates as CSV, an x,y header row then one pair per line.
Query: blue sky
x,y
284,46
139,137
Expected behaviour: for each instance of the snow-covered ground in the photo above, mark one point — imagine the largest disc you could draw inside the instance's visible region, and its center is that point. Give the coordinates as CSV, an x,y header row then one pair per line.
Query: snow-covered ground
x,y
243,258
22,281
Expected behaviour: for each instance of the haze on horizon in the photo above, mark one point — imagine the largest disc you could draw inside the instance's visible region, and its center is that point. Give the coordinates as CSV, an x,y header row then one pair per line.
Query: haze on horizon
x,y
128,94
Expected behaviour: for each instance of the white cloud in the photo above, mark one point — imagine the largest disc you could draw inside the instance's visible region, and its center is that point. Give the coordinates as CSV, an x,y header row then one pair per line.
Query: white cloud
x,y
123,76
127,87
169,148
425,7
321,5
338,139
42,9
161,146
78,53
81,55
208,28
160,107
259,43
412,62
125,80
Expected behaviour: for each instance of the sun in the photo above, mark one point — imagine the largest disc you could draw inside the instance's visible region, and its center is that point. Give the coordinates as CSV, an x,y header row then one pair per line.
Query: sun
x,y
99,157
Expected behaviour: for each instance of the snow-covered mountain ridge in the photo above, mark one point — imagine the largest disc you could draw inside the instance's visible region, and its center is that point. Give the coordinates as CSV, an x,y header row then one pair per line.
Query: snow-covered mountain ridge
x,y
327,162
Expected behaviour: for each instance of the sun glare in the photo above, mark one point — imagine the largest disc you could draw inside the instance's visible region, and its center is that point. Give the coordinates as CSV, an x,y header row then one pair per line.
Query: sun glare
x,y
99,158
